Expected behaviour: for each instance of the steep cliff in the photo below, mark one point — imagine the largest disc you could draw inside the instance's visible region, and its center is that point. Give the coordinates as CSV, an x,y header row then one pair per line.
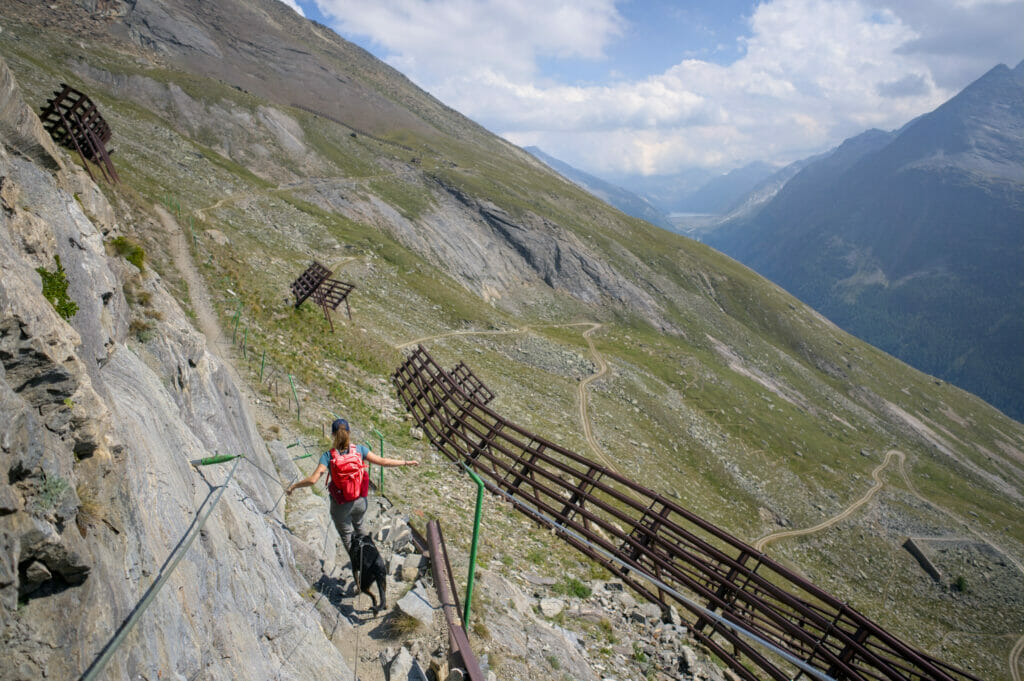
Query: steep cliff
x,y
96,432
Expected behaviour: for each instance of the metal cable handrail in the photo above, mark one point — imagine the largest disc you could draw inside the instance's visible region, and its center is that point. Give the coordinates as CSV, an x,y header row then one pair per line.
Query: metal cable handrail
x,y
126,627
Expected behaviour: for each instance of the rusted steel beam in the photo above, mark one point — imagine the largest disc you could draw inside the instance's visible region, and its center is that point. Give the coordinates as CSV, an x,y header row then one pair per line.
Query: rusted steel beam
x,y
308,282
655,536
473,386
445,584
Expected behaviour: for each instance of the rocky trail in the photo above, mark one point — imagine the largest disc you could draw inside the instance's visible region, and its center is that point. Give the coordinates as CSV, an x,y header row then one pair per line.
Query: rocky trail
x,y
361,634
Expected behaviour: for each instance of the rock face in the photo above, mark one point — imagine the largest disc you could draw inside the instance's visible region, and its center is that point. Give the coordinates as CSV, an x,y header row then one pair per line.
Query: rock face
x,y
96,431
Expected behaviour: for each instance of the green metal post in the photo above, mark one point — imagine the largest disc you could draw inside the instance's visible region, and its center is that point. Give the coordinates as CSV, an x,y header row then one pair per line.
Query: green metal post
x,y
220,458
298,411
476,541
238,315
380,436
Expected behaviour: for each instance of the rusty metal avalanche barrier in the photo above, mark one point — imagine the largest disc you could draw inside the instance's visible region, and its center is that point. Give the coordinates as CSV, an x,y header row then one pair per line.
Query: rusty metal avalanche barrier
x,y
602,514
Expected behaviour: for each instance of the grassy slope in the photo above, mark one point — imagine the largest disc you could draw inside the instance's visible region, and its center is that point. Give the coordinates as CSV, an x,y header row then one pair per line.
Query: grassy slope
x,y
721,441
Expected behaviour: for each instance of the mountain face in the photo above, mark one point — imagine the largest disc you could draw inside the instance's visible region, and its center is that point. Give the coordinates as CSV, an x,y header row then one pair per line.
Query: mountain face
x,y
623,199
251,142
721,194
667,192
912,240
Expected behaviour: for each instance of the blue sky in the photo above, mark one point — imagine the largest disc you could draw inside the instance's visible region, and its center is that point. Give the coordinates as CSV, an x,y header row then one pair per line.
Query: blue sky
x,y
619,87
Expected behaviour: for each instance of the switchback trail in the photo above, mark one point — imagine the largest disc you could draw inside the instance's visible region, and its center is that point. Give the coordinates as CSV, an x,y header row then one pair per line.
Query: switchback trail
x,y
581,388
1018,647
876,474
581,398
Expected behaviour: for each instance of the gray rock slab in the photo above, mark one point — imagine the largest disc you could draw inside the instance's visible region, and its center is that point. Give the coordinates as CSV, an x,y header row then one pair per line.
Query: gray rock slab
x,y
417,604
404,667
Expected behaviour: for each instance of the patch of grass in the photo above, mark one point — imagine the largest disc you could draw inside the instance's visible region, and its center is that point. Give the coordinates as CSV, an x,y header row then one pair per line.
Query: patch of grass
x,y
480,630
90,510
142,330
571,586
537,556
131,250
55,289
400,625
607,631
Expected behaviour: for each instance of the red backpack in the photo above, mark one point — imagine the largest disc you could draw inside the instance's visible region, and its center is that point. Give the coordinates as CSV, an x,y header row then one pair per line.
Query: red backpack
x,y
349,479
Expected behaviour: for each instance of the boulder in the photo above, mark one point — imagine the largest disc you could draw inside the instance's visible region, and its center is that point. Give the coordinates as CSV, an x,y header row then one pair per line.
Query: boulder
x,y
417,604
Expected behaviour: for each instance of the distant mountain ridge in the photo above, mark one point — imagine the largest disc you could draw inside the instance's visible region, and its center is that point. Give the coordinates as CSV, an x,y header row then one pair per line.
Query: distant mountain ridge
x,y
912,239
721,194
623,199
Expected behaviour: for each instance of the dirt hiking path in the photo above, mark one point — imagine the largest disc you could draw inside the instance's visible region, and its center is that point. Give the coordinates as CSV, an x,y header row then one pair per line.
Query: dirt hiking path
x,y
364,649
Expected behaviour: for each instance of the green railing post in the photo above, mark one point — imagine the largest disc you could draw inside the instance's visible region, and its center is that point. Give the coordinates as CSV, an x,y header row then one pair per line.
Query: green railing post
x,y
380,437
476,542
298,411
238,315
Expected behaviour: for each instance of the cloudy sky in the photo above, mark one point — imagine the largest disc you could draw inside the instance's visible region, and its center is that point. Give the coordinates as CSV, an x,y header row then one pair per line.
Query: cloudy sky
x,y
620,87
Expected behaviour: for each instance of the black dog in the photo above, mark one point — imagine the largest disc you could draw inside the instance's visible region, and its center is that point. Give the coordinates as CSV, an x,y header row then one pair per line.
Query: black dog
x,y
368,568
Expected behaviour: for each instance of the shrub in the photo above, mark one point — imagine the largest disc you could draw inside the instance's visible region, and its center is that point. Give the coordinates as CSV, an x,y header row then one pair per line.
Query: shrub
x,y
130,250
55,289
50,492
572,587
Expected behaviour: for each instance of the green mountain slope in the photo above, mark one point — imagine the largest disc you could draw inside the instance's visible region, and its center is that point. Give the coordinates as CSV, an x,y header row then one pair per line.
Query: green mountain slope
x,y
276,143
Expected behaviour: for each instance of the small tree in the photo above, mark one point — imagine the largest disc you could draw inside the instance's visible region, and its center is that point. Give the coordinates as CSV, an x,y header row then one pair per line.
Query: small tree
x,y
55,289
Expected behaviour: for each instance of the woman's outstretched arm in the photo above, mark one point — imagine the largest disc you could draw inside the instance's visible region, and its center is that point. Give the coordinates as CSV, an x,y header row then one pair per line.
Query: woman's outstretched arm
x,y
308,480
389,463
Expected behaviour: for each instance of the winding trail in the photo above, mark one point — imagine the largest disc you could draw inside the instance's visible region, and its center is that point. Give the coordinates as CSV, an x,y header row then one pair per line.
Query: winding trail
x,y
581,398
198,294
581,388
875,474
467,332
1018,648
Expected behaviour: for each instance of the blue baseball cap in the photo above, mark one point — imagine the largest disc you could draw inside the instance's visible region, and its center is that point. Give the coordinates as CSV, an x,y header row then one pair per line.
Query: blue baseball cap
x,y
338,425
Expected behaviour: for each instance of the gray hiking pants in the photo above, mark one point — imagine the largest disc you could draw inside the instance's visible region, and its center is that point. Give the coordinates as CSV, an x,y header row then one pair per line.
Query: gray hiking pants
x,y
348,518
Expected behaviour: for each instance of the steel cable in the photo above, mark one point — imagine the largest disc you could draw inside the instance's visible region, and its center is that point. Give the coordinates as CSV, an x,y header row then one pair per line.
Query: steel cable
x,y
126,627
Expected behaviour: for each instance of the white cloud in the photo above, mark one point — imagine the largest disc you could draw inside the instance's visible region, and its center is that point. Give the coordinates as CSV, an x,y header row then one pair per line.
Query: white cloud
x,y
813,73
433,39
295,6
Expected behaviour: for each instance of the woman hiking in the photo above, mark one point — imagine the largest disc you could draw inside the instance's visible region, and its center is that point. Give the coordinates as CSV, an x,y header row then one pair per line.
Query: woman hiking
x,y
348,493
